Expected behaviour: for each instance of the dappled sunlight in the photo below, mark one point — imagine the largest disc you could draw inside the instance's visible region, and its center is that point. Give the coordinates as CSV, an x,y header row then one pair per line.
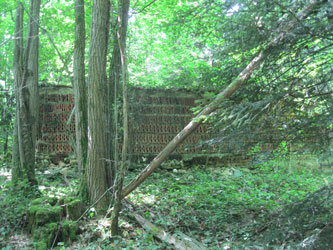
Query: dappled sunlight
x,y
149,200
221,110
5,173
219,200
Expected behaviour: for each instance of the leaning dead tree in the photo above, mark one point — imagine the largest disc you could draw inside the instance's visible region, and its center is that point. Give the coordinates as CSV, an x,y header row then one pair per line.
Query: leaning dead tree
x,y
285,29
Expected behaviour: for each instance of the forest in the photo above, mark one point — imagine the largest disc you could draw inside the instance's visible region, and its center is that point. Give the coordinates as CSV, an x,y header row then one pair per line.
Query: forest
x,y
166,124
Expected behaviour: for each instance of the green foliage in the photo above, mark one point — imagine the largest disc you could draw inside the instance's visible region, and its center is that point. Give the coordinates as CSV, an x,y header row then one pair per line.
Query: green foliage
x,y
215,204
206,47
197,45
14,202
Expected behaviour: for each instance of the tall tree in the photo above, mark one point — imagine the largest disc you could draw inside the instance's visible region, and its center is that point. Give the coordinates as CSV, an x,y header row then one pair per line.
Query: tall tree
x,y
283,32
123,8
31,62
80,88
26,79
17,172
98,172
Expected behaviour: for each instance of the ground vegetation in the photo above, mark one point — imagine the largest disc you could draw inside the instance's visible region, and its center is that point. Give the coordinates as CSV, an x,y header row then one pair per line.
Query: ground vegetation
x,y
253,62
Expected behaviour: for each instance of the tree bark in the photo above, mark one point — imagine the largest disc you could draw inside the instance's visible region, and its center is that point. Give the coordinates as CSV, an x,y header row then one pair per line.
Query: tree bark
x,y
114,94
31,61
80,88
17,172
276,42
26,82
123,7
98,168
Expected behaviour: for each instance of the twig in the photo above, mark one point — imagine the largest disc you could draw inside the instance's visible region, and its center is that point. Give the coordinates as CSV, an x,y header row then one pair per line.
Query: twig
x,y
51,40
56,236
87,210
145,7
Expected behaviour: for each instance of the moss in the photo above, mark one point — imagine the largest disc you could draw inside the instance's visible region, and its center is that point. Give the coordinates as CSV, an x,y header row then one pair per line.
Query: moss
x,y
74,230
39,215
41,245
46,214
32,216
69,199
44,236
61,201
74,209
33,209
52,200
69,231
37,201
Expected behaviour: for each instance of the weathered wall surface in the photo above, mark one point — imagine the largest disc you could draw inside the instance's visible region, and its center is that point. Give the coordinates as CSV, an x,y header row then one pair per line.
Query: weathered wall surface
x,y
155,117
56,105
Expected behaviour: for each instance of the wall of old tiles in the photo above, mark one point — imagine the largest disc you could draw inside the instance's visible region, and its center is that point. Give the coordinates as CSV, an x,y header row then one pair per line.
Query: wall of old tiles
x,y
155,117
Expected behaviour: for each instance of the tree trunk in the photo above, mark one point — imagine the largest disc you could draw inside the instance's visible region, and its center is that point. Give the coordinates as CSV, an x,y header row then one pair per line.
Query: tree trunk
x,y
31,61
26,82
114,94
123,7
17,172
80,88
98,168
277,42
28,96
5,144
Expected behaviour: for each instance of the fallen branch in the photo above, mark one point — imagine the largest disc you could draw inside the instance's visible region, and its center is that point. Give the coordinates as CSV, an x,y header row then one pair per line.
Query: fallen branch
x,y
186,242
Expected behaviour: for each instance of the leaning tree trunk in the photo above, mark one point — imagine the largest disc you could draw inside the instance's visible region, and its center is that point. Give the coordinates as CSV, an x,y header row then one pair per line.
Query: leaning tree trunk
x,y
123,8
98,168
80,88
276,42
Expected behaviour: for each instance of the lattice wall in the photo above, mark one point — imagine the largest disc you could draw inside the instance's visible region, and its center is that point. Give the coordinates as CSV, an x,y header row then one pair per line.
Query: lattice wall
x,y
156,116
56,104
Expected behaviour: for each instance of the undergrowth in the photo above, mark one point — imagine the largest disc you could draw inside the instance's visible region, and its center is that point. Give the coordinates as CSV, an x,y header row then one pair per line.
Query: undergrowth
x,y
217,206
14,201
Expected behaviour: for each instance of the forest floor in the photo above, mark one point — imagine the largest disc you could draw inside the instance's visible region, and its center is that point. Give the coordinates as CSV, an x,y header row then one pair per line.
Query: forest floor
x,y
281,204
